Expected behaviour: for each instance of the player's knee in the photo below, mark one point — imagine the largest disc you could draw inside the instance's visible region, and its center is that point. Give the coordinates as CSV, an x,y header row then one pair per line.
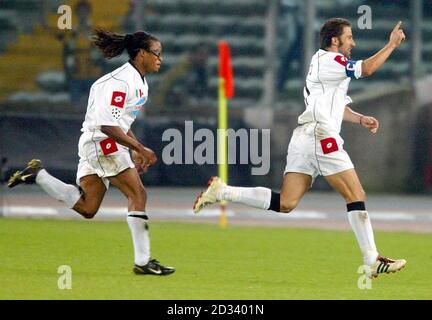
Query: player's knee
x,y
89,212
288,205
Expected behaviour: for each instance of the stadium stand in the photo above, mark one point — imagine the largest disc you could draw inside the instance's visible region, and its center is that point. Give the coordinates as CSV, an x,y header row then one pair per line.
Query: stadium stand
x,y
396,70
32,48
182,25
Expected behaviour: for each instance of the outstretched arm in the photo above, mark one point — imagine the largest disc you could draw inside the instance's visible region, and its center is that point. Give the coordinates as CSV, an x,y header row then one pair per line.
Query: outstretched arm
x,y
372,64
367,122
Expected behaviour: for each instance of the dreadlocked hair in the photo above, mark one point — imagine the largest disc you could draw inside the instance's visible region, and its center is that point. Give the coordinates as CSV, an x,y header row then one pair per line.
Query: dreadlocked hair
x,y
113,44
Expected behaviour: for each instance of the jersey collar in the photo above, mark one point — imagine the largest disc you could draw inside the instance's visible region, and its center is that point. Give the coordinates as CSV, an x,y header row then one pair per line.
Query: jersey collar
x,y
141,76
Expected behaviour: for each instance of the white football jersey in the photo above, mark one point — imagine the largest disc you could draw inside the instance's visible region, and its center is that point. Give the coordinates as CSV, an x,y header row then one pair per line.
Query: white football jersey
x,y
115,100
326,87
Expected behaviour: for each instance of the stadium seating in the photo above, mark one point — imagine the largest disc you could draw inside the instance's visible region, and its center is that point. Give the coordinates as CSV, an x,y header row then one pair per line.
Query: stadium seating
x,y
28,30
36,49
183,24
370,41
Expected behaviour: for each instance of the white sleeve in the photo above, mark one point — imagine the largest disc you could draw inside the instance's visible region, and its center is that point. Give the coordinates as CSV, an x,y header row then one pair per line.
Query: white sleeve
x,y
339,68
348,100
110,102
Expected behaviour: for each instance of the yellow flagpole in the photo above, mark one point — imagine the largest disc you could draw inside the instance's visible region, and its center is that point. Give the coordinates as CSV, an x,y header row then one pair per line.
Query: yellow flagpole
x,y
222,145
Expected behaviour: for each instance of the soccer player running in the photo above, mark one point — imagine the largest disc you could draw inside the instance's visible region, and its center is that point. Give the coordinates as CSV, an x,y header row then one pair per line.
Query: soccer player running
x,y
106,141
316,147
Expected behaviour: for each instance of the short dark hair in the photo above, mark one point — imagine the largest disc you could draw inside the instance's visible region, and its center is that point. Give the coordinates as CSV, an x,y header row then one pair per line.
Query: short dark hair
x,y
332,28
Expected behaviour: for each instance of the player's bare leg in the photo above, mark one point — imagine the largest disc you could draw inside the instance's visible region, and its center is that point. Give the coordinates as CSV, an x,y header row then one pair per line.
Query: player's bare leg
x,y
131,186
348,185
129,183
93,191
85,201
294,187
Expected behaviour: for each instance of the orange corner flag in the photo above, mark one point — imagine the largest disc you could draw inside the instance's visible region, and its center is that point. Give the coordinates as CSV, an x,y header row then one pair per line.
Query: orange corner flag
x,y
225,68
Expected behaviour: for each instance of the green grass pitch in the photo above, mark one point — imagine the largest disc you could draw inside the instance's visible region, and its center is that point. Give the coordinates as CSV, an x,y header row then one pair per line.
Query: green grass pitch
x,y
241,262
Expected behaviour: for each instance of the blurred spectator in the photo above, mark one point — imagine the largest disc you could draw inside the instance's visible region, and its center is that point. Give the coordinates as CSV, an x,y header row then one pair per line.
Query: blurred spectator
x,y
187,78
198,77
291,28
82,62
133,20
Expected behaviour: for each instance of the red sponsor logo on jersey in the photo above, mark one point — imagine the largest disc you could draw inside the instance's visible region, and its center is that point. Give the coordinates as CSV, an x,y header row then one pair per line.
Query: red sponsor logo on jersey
x,y
341,59
329,145
118,99
108,146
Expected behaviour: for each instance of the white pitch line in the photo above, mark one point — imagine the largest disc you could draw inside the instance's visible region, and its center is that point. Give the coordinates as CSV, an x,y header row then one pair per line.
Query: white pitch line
x,y
303,214
26,210
113,211
391,215
122,211
189,212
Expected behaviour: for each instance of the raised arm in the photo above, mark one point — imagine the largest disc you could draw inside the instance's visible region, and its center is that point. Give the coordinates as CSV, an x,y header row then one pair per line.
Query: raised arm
x,y
372,64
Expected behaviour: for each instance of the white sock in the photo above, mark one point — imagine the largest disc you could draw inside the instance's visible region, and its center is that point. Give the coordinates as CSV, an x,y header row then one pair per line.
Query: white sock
x,y
258,197
361,225
57,189
140,236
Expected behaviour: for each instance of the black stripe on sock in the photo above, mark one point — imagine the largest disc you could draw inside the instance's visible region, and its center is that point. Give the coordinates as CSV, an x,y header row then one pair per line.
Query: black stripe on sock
x,y
275,202
142,216
356,206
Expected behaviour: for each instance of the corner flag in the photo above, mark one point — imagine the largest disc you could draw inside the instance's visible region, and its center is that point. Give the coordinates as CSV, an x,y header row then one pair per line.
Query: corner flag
x,y
226,90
